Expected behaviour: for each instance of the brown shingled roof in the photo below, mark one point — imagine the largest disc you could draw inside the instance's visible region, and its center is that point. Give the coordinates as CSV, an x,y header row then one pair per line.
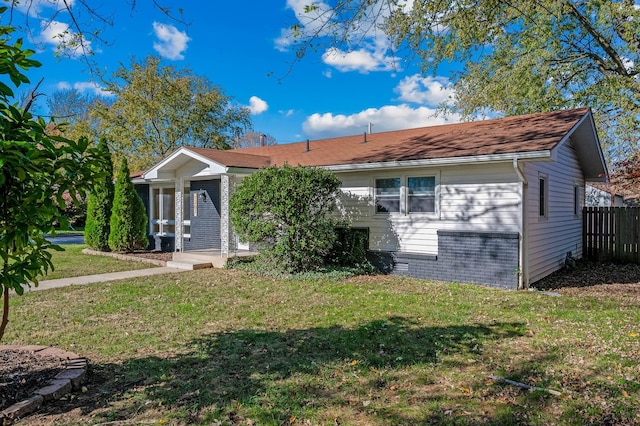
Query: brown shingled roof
x,y
233,158
518,134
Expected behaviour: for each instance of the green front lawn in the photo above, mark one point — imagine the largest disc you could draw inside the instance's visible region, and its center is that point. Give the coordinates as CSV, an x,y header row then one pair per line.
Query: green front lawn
x,y
224,347
73,263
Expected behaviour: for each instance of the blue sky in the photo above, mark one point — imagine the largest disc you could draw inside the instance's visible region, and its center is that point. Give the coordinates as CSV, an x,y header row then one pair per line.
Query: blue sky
x,y
242,47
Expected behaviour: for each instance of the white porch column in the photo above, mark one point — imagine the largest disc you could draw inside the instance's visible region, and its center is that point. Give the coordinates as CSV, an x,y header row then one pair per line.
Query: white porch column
x,y
227,240
179,188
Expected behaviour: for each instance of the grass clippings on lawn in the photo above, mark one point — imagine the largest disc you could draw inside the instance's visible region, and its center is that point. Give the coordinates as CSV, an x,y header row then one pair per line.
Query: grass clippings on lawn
x,y
223,347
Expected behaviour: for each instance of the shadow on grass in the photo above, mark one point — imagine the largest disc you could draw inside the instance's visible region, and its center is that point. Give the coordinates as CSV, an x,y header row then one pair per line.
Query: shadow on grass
x,y
271,377
279,374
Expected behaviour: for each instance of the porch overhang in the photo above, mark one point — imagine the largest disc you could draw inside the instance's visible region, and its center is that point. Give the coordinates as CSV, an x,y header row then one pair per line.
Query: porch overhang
x,y
186,164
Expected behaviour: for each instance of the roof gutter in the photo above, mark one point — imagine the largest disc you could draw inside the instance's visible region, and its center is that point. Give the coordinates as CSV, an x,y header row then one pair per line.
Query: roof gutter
x,y
447,161
521,175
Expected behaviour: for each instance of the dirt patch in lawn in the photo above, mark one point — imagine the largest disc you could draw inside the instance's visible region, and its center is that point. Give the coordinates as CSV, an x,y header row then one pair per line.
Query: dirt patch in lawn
x,y
595,279
23,372
155,255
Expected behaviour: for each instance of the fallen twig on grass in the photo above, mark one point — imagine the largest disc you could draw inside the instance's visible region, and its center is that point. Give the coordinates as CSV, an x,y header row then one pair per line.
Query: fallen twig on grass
x,y
524,385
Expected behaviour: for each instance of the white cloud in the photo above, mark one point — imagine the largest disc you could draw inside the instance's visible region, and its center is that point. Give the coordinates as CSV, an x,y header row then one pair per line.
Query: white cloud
x,y
34,8
390,117
432,91
374,52
361,60
59,35
257,105
63,85
287,113
172,42
85,86
312,22
285,40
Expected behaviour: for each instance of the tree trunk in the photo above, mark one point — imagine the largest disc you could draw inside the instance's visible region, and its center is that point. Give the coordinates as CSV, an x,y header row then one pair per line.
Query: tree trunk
x,y
5,310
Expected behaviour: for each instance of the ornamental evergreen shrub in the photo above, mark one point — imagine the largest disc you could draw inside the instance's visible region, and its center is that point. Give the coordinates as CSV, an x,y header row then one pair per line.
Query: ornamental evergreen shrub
x,y
289,214
128,217
96,230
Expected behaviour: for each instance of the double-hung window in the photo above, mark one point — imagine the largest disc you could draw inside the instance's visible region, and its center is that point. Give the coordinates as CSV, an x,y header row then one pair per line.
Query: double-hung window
x,y
415,194
421,194
388,195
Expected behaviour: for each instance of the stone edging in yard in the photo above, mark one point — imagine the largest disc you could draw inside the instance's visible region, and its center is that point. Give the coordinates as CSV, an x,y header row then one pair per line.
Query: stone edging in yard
x,y
121,256
71,377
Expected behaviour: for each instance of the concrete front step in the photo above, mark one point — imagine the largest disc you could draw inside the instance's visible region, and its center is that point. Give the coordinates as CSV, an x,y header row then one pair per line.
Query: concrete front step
x,y
190,264
184,260
194,255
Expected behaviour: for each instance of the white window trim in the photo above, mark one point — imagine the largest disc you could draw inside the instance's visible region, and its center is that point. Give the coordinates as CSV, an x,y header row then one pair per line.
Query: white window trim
x,y
404,195
577,197
545,217
152,213
375,197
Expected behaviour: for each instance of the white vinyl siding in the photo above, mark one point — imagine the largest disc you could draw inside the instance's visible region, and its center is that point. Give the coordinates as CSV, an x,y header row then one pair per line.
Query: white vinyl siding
x,y
469,198
549,240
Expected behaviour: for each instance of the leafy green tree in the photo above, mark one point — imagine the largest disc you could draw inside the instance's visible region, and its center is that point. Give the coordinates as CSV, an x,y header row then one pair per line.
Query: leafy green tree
x,y
128,225
289,213
159,108
37,166
72,109
96,231
515,57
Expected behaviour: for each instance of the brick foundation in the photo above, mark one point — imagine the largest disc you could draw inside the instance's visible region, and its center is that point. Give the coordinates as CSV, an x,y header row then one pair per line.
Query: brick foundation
x,y
470,257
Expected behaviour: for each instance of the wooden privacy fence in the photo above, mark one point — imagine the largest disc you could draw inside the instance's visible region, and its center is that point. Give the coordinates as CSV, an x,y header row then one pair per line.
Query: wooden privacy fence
x,y
611,233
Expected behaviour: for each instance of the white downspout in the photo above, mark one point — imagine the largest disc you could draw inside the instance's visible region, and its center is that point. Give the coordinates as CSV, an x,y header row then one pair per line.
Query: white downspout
x,y
523,278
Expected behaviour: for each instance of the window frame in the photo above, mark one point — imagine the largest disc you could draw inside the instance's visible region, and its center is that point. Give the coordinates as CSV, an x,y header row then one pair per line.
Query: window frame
x,y
408,195
376,206
543,196
405,196
155,217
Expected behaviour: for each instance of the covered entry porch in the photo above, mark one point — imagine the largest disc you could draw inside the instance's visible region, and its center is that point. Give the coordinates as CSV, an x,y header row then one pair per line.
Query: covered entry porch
x,y
187,201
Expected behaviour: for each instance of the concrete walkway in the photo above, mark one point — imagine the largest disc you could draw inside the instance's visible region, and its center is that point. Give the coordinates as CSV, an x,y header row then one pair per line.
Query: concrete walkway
x,y
99,278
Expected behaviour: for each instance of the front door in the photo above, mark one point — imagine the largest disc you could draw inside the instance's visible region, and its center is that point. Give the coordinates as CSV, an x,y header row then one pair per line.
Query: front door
x,y
204,211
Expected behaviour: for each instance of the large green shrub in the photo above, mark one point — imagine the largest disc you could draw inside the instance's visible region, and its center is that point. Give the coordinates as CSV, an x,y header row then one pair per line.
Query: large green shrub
x,y
350,248
37,166
289,214
96,231
128,217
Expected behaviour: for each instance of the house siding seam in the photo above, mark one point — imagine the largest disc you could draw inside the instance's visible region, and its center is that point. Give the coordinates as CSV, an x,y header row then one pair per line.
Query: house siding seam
x,y
205,227
488,258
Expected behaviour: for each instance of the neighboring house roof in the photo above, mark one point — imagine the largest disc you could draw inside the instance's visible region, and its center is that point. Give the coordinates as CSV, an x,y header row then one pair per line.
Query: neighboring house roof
x,y
628,196
531,136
